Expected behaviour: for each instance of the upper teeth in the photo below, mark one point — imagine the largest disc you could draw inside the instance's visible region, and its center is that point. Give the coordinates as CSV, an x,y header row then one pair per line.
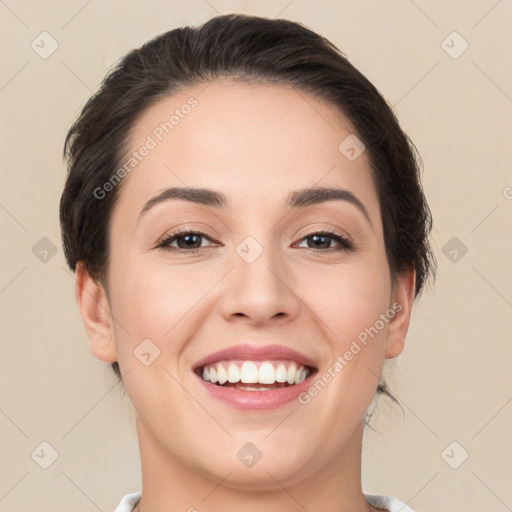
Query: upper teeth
x,y
253,372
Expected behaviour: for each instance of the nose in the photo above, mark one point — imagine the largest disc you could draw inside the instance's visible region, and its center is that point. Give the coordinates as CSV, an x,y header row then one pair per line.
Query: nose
x,y
260,292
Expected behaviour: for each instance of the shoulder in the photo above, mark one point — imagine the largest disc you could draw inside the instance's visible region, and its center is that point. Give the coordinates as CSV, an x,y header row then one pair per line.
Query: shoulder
x,y
387,502
377,500
128,502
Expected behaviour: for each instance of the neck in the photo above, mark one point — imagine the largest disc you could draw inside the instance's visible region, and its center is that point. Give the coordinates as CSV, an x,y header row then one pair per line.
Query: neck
x,y
170,486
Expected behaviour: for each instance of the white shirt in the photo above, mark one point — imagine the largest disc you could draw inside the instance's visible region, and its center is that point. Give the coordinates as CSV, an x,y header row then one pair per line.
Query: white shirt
x,y
386,502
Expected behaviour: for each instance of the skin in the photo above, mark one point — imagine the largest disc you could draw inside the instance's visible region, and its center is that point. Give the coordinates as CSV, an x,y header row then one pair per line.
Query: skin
x,y
254,143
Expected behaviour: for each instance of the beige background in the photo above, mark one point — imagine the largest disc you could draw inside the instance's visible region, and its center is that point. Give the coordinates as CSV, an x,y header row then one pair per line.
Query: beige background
x,y
453,379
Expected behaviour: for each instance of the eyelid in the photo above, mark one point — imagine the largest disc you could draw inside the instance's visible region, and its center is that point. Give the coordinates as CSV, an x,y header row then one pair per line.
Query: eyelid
x,y
345,243
162,242
332,229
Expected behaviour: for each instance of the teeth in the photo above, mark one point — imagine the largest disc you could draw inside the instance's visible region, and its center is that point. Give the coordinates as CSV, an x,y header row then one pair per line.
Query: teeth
x,y
233,373
252,388
250,372
221,374
292,370
281,373
300,376
267,374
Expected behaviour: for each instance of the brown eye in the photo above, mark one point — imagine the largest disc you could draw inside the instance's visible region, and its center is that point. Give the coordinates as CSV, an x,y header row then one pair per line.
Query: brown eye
x,y
189,241
323,241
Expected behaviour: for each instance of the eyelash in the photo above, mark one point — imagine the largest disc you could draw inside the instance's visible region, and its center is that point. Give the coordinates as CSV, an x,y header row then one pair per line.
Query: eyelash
x,y
345,245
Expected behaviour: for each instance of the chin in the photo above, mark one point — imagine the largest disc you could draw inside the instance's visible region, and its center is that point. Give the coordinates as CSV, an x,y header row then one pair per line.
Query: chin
x,y
248,467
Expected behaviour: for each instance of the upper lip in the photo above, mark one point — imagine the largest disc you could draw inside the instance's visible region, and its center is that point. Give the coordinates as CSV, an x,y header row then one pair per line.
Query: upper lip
x,y
256,353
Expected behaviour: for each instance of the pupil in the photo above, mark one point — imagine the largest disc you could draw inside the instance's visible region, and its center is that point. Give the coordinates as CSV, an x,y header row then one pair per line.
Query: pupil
x,y
317,237
188,238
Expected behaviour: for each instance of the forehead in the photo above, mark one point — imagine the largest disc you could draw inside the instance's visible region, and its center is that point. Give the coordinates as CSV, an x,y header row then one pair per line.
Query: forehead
x,y
254,142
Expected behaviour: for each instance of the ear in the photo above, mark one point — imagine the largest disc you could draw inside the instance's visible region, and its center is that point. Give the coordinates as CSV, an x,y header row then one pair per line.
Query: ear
x,y
402,298
95,311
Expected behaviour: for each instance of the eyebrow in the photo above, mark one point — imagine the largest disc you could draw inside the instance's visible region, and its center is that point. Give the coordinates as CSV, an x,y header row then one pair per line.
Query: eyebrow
x,y
296,199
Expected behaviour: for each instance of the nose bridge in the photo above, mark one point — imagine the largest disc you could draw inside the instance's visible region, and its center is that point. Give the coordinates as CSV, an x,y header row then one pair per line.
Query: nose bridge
x,y
259,285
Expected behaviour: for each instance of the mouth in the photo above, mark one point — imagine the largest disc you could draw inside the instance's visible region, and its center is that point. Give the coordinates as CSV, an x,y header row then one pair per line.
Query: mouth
x,y
255,377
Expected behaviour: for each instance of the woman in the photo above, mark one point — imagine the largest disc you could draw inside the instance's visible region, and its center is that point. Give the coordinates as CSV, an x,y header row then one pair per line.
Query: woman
x,y
248,230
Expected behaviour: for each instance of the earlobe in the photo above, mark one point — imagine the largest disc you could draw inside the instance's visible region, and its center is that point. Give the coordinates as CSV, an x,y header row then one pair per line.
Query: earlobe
x,y
402,300
95,312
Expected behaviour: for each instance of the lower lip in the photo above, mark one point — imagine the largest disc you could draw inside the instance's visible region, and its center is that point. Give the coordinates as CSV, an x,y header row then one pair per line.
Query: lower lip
x,y
249,400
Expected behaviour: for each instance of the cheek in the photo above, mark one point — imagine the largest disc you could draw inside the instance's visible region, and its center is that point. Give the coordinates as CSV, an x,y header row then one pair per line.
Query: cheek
x,y
347,299
353,306
158,302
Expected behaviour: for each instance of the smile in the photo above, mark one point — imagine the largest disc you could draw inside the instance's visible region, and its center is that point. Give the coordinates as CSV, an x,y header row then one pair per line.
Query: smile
x,y
255,375
251,377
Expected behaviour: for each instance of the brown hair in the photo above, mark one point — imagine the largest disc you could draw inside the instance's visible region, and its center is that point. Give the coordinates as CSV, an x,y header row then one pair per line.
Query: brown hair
x,y
245,48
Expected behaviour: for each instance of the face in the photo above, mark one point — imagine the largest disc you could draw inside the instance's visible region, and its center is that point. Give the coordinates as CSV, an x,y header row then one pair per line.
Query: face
x,y
279,297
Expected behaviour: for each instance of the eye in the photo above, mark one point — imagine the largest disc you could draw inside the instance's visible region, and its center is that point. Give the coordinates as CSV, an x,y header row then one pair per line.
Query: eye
x,y
186,240
322,240
191,241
